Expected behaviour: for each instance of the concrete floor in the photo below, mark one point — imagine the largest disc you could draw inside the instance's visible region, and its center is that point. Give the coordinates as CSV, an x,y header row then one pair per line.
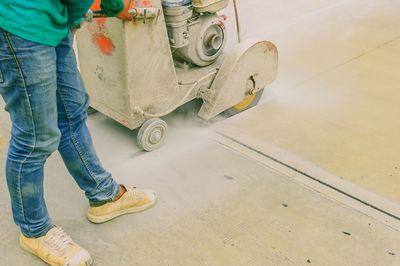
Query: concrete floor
x,y
336,97
291,182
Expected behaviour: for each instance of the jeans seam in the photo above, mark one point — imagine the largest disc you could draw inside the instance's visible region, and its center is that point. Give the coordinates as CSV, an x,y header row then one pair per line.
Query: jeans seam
x,y
48,228
33,126
76,145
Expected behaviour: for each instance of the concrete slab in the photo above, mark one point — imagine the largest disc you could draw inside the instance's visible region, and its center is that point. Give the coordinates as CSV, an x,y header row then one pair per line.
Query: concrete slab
x,y
221,207
216,208
335,102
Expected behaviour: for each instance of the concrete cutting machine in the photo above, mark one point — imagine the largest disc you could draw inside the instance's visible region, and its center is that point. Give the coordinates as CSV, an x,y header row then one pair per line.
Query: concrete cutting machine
x,y
170,53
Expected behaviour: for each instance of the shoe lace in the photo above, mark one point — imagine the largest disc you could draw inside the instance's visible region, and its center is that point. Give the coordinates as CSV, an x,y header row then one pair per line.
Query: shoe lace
x,y
134,193
58,240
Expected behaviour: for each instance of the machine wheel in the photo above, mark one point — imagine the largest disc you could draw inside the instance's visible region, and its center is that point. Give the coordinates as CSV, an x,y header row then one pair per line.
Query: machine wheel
x,y
152,134
244,105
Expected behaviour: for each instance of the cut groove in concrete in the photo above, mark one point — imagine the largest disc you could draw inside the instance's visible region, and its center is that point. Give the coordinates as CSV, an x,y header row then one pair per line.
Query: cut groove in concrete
x,y
369,203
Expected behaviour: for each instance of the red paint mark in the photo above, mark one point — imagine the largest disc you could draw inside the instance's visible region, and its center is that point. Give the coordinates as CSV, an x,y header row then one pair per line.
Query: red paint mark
x,y
104,43
114,85
101,22
123,121
224,17
99,38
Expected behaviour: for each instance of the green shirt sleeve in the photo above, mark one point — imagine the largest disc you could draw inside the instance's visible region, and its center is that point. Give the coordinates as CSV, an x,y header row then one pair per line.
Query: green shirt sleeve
x,y
112,7
78,8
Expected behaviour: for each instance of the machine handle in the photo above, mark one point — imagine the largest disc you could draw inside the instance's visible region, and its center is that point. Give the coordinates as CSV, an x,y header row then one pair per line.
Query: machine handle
x,y
144,13
90,15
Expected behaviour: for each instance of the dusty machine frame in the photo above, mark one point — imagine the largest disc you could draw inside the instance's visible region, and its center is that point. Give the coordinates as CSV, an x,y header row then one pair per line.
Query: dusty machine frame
x,y
130,73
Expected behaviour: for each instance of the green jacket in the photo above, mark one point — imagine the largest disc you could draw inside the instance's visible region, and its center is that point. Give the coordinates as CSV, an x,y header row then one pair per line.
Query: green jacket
x,y
47,21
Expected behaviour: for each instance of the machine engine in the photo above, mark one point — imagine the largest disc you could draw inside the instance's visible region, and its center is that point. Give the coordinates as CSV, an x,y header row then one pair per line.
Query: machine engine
x,y
196,33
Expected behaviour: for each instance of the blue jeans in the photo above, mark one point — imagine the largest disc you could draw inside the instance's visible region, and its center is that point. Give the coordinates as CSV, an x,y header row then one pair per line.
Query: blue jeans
x,y
47,102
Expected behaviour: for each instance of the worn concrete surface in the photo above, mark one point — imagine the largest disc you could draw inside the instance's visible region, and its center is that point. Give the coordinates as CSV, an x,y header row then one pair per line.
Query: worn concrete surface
x,y
336,100
216,208
220,207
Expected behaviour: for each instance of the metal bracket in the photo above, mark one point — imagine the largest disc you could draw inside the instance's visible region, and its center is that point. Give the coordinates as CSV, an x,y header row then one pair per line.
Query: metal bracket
x,y
145,13
93,14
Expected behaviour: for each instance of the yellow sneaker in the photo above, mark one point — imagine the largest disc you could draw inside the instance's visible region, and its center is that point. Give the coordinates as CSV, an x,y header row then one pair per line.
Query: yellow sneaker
x,y
56,248
133,200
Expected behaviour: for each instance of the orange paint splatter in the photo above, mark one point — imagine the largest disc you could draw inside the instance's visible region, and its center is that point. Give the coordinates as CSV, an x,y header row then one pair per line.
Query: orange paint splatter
x,y
101,22
99,38
2,143
123,121
104,43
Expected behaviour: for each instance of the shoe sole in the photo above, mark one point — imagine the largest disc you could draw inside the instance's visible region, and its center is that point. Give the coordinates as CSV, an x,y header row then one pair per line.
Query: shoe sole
x,y
28,249
108,217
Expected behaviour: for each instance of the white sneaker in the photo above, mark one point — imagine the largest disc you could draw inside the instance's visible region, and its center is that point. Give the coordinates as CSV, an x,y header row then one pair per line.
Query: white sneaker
x,y
56,248
133,200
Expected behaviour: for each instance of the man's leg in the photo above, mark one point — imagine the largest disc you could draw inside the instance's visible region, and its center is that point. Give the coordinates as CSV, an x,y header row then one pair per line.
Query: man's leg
x,y
76,147
28,86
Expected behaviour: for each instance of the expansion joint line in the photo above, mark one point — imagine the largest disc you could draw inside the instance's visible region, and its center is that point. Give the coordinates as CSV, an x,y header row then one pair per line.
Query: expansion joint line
x,y
309,176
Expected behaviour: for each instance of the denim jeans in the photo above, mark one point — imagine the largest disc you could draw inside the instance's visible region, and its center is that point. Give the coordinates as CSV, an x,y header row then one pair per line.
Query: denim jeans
x,y
47,102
